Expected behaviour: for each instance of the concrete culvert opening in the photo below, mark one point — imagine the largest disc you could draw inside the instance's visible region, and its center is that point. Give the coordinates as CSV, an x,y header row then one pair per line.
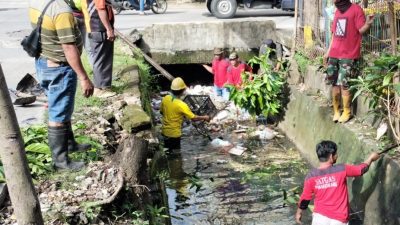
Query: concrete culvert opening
x,y
192,74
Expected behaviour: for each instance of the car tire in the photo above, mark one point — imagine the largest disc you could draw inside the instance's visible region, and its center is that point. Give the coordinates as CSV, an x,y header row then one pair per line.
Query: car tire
x,y
223,9
209,6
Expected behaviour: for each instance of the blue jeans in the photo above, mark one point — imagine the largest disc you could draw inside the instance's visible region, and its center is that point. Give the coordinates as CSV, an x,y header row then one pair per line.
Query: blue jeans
x,y
60,86
141,5
222,92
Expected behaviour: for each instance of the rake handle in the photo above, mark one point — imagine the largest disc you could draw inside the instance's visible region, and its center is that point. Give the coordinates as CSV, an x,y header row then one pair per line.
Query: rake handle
x,y
388,149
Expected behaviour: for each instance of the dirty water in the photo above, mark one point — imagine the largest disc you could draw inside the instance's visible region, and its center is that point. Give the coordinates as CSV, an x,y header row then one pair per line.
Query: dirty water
x,y
210,186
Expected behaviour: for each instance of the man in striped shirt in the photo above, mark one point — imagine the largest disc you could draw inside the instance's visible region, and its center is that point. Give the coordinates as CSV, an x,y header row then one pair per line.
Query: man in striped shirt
x,y
328,185
58,67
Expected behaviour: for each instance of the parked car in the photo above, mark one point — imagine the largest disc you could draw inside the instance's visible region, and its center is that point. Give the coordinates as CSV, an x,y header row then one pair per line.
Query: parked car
x,y
224,9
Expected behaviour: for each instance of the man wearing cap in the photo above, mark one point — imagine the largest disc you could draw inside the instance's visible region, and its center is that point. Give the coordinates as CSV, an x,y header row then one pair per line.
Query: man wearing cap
x,y
218,68
235,70
174,110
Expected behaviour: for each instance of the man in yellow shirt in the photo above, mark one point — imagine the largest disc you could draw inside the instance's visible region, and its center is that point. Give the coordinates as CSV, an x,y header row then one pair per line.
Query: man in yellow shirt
x,y
174,110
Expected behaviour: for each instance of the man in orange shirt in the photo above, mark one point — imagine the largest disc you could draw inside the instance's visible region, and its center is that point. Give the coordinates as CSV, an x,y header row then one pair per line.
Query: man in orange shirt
x,y
99,20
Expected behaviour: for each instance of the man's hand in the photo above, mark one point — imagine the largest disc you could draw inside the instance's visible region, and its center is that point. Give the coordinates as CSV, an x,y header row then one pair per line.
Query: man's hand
x,y
367,25
298,216
207,118
372,157
370,19
325,59
110,35
208,68
87,87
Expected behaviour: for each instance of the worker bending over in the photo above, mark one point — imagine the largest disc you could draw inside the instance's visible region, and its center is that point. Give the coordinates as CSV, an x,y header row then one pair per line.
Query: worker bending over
x,y
328,185
174,110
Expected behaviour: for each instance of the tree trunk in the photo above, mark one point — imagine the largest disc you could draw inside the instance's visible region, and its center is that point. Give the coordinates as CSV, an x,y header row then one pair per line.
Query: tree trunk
x,y
132,159
19,181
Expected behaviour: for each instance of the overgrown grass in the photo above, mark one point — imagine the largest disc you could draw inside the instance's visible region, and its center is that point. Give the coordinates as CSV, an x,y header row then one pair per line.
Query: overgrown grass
x,y
302,62
122,61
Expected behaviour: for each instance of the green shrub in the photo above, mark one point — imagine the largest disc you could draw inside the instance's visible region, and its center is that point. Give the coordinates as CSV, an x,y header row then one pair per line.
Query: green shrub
x,y
260,93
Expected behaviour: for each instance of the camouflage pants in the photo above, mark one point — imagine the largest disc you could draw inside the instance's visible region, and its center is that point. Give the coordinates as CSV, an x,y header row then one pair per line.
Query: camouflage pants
x,y
339,71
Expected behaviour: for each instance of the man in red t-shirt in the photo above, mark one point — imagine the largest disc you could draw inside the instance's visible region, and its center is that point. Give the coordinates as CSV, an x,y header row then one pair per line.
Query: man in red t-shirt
x,y
348,26
218,68
236,69
328,185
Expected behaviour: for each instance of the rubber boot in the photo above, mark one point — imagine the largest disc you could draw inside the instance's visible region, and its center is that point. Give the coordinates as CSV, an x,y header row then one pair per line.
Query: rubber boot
x,y
73,146
346,101
336,103
58,142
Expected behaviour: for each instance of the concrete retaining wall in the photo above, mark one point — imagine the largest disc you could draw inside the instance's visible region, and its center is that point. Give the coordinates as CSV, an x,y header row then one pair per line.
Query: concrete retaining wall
x,y
166,41
314,82
307,121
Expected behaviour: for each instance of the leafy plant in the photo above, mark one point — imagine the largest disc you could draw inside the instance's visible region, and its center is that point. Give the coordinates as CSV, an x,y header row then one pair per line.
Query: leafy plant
x,y
137,217
2,176
378,84
195,182
157,214
37,149
302,62
38,152
259,93
92,212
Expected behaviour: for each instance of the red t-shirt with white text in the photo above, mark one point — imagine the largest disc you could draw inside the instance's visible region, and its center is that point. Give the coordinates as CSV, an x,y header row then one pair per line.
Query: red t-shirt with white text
x,y
234,73
219,68
329,187
346,42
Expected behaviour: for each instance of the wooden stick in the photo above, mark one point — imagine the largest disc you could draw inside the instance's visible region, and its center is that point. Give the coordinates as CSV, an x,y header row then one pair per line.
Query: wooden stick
x,y
388,149
146,57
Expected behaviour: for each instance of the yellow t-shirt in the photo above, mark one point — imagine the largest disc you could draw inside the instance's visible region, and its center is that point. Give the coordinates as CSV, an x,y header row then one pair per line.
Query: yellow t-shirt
x,y
173,111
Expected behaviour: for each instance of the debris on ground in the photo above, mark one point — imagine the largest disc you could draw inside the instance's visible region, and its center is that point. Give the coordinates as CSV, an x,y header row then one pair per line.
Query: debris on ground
x,y
28,90
67,197
219,143
264,133
237,150
98,183
20,98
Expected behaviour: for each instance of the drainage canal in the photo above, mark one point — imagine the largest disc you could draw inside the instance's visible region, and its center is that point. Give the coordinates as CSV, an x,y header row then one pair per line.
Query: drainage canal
x,y
207,184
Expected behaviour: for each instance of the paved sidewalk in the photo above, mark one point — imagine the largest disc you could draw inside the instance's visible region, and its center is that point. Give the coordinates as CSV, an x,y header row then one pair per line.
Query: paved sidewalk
x,y
14,25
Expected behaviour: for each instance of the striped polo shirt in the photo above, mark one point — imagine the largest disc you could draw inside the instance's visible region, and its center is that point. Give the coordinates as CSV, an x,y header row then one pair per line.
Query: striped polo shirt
x,y
58,27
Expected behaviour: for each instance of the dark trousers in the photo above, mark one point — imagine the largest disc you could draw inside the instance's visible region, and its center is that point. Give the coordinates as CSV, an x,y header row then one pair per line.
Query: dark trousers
x,y
102,53
172,143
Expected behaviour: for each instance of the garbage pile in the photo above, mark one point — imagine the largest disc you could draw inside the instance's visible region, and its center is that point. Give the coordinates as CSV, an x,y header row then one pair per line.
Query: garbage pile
x,y
225,121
